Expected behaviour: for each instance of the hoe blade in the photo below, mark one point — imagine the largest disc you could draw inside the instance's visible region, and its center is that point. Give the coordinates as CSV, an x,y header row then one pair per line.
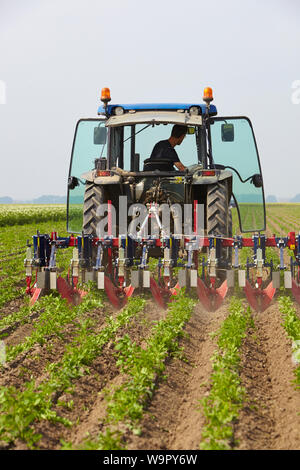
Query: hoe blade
x,y
67,292
211,298
175,290
129,291
268,294
158,293
114,294
296,291
259,299
221,294
35,296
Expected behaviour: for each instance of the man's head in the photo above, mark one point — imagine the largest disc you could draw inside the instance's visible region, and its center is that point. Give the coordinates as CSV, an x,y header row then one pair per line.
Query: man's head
x,y
178,134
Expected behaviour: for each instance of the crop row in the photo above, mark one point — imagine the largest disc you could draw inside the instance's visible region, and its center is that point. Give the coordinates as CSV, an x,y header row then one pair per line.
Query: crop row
x,y
291,323
143,366
221,407
25,214
21,408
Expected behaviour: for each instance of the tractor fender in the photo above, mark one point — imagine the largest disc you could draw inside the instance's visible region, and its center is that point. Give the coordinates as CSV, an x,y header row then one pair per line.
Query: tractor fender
x,y
199,179
116,179
91,177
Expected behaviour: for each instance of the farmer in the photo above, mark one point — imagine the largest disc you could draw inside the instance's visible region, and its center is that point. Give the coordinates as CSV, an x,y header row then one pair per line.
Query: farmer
x,y
164,150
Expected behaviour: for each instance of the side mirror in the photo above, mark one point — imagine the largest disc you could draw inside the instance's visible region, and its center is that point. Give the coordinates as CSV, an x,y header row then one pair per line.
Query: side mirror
x,y
227,132
100,134
257,180
73,182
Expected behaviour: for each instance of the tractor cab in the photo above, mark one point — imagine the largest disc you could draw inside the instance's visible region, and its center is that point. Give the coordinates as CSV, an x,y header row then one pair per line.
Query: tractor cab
x,y
111,158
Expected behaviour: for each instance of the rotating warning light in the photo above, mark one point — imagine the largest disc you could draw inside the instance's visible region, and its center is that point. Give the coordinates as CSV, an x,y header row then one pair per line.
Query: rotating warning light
x,y
105,95
208,95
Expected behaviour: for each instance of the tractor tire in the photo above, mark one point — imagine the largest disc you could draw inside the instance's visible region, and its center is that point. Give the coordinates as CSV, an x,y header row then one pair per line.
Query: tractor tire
x,y
219,220
93,197
229,234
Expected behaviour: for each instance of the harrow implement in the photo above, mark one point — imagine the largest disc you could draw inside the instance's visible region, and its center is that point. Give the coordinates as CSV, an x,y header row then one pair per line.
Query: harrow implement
x,y
120,266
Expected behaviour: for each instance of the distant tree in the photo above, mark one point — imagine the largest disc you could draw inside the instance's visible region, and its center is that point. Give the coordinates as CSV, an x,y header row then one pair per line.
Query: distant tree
x,y
6,200
271,198
296,198
49,199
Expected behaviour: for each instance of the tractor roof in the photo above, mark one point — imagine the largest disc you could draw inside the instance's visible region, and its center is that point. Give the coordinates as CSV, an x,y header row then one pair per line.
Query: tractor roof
x,y
156,107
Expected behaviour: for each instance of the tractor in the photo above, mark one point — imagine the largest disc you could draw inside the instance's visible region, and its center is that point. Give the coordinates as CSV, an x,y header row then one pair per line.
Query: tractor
x,y
130,210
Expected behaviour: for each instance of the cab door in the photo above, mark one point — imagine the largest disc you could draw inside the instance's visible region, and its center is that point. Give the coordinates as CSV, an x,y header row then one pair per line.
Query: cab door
x,y
89,143
234,147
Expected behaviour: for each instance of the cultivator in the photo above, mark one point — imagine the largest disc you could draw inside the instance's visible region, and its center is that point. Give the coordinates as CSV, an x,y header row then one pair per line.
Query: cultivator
x,y
121,267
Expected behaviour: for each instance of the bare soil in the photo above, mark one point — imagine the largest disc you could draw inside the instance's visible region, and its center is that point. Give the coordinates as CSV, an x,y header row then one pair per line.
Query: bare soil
x,y
174,419
270,418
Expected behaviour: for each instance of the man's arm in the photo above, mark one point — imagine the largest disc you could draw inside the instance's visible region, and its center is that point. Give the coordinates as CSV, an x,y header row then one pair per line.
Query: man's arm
x,y
180,166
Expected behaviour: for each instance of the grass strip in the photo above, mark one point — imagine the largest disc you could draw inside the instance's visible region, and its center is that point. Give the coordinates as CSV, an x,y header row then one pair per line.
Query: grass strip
x,y
20,409
221,407
291,324
143,366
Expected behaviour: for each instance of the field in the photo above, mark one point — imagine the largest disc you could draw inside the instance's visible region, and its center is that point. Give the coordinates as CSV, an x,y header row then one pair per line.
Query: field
x,y
92,377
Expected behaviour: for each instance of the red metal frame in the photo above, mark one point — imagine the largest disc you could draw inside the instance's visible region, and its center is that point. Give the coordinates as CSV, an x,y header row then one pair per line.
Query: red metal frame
x,y
210,296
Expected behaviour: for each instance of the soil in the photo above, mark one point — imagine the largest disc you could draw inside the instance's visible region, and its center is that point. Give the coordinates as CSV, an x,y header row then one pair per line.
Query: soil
x,y
89,409
174,419
270,418
12,306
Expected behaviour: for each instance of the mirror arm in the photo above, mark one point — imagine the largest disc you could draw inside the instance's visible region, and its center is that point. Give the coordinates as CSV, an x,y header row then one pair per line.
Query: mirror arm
x,y
243,181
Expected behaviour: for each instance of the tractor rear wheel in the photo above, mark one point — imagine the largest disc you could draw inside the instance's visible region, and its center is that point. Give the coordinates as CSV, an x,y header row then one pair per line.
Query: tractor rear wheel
x,y
219,220
93,197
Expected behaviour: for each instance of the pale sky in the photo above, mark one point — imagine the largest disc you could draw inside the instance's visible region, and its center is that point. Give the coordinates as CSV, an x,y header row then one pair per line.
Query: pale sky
x,y
56,55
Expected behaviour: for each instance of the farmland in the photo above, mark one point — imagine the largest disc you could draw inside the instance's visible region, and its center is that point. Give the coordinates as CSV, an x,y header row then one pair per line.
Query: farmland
x,y
93,377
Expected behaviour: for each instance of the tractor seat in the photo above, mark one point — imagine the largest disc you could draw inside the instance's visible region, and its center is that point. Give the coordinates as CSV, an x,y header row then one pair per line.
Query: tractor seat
x,y
160,165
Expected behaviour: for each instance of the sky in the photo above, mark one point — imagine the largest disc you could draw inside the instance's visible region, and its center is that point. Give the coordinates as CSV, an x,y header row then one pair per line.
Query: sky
x,y
56,55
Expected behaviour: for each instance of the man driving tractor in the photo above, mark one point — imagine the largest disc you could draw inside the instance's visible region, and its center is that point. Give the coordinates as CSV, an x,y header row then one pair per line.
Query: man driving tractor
x,y
164,150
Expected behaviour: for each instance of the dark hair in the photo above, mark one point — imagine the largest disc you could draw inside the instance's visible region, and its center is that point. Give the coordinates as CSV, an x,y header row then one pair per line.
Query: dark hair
x,y
178,131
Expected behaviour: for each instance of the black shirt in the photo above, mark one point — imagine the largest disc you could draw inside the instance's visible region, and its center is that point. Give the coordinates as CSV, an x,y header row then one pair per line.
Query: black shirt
x,y
163,150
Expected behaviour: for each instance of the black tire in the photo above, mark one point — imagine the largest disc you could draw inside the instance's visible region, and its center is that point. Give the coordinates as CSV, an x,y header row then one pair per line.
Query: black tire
x,y
219,220
230,234
93,197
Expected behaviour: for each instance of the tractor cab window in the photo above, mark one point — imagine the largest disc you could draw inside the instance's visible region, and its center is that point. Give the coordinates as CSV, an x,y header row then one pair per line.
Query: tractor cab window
x,y
234,147
90,143
139,141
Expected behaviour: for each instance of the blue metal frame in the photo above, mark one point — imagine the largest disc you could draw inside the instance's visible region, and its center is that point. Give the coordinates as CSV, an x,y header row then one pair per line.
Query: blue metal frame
x,y
156,107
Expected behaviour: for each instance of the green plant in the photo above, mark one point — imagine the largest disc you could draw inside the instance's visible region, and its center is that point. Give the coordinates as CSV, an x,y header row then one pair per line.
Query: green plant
x,y
221,407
